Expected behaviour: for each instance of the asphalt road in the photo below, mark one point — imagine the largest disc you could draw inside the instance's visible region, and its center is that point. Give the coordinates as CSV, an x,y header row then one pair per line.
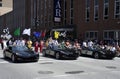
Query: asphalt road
x,y
50,68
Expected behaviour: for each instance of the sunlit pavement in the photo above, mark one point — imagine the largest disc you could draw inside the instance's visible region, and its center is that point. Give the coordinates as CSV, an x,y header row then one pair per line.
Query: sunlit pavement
x,y
50,68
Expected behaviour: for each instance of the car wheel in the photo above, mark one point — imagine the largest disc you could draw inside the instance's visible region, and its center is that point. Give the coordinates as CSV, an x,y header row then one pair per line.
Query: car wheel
x,y
57,55
4,55
96,55
13,58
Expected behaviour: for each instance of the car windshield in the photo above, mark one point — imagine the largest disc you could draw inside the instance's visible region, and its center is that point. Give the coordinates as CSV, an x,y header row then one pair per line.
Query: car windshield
x,y
20,48
59,47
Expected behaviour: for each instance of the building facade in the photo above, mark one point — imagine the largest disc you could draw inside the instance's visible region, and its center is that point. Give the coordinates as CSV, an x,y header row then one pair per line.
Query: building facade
x,y
82,19
15,18
92,19
99,19
6,6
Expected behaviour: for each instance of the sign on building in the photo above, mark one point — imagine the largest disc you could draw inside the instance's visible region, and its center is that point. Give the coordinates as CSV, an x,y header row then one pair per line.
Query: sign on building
x,y
57,10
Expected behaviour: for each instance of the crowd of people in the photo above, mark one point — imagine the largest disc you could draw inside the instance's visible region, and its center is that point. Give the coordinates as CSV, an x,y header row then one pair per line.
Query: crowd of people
x,y
22,42
50,42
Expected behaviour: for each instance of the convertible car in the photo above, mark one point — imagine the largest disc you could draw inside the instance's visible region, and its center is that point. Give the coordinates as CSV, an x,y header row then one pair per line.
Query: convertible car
x,y
97,52
20,53
61,52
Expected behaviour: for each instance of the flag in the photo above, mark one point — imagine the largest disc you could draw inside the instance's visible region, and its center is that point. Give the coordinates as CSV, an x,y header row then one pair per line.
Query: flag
x,y
17,32
56,34
43,33
37,34
27,31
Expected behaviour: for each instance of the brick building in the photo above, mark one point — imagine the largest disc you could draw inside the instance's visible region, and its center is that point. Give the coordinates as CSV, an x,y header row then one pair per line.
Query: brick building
x,y
83,19
92,19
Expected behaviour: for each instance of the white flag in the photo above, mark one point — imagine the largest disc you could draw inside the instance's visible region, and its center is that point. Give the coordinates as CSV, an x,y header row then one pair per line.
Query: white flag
x,y
27,31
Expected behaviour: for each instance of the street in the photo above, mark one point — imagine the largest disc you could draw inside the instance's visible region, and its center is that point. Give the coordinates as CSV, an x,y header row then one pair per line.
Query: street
x,y
50,68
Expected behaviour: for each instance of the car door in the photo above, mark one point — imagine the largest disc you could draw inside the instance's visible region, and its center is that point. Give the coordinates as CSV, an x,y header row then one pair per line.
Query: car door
x,y
47,51
52,52
90,52
84,50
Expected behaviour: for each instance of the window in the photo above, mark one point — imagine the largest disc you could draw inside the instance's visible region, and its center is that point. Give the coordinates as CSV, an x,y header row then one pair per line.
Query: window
x,y
109,35
117,9
96,8
87,10
91,35
106,9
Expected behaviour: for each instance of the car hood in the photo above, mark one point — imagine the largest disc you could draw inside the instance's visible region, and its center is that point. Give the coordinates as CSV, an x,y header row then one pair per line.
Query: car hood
x,y
66,51
26,53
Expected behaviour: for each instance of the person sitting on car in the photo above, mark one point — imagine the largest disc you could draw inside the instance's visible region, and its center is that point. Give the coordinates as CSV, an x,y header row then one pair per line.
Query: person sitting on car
x,y
84,44
117,50
90,45
68,44
76,45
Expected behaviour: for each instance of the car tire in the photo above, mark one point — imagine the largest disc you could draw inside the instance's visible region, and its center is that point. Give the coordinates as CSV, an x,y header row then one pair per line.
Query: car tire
x,y
13,58
96,55
57,55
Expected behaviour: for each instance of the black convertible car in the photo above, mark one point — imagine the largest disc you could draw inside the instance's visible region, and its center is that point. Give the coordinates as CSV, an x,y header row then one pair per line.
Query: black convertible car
x,y
97,53
20,53
61,52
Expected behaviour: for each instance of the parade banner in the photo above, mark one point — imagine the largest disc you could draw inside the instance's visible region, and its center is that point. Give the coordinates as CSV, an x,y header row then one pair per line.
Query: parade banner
x,y
57,10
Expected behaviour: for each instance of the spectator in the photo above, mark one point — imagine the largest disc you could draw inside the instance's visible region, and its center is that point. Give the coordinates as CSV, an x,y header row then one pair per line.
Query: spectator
x,y
36,45
41,44
29,44
1,42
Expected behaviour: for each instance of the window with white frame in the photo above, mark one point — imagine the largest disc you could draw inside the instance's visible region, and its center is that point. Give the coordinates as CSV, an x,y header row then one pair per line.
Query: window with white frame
x,y
96,9
87,17
106,9
91,35
117,9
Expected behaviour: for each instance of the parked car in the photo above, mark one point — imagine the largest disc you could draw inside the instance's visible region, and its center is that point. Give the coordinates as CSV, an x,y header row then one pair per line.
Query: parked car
x,y
20,53
97,52
61,52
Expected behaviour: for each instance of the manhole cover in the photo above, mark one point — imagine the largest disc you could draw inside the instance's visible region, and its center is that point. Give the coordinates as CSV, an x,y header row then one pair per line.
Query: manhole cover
x,y
45,72
47,63
111,67
74,72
